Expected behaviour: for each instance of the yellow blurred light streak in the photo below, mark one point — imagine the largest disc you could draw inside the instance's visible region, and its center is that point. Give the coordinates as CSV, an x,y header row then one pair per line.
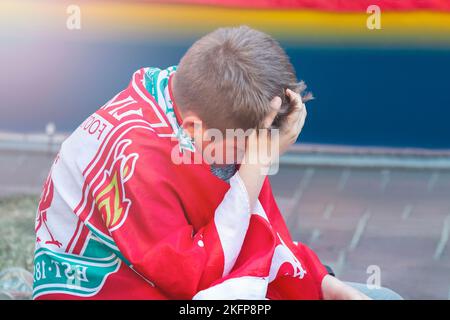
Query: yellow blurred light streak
x,y
136,20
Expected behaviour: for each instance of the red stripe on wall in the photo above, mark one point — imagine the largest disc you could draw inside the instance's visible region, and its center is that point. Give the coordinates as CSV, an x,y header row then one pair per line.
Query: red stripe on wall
x,y
326,5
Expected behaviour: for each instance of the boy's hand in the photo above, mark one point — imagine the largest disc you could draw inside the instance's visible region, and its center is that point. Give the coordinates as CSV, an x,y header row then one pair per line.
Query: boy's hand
x,y
259,151
293,125
258,155
259,148
334,289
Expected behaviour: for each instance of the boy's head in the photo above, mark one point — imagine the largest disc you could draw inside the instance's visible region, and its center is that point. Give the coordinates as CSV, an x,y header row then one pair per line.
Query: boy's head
x,y
228,78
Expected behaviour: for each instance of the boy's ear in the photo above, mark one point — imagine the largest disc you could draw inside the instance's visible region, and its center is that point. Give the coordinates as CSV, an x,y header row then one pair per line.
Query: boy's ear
x,y
192,125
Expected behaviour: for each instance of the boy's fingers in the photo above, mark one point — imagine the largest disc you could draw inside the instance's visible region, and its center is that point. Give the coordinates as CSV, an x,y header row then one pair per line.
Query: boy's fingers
x,y
276,103
296,113
295,98
302,118
296,103
275,106
296,120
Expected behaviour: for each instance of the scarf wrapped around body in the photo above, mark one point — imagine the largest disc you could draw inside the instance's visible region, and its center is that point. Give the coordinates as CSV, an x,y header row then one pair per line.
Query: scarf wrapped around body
x,y
118,219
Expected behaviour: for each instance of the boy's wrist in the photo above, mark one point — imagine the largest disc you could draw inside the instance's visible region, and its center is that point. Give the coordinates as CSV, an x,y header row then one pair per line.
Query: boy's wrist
x,y
256,170
253,177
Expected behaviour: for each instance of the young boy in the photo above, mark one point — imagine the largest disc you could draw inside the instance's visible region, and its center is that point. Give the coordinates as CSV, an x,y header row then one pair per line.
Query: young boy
x,y
120,218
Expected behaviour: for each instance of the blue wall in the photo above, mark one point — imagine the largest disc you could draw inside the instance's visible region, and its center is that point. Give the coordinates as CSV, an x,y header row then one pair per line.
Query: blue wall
x,y
381,97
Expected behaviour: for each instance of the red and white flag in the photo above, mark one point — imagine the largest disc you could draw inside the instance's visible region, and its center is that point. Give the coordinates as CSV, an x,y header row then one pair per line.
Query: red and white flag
x,y
118,219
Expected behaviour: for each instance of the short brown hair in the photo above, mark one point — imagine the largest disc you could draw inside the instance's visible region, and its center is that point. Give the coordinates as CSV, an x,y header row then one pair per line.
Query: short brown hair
x,y
229,76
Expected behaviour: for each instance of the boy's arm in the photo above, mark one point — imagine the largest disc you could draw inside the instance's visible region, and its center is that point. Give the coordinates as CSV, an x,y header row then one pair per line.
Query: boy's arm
x,y
335,289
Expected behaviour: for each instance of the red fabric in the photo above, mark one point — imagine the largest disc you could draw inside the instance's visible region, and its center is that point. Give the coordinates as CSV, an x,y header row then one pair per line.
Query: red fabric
x,y
171,209
326,5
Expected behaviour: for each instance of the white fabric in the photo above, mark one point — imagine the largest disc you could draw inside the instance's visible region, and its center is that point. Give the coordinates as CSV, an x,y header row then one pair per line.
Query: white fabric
x,y
246,288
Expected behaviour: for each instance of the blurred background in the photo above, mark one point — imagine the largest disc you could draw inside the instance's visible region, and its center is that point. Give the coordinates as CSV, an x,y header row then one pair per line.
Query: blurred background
x,y
368,184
